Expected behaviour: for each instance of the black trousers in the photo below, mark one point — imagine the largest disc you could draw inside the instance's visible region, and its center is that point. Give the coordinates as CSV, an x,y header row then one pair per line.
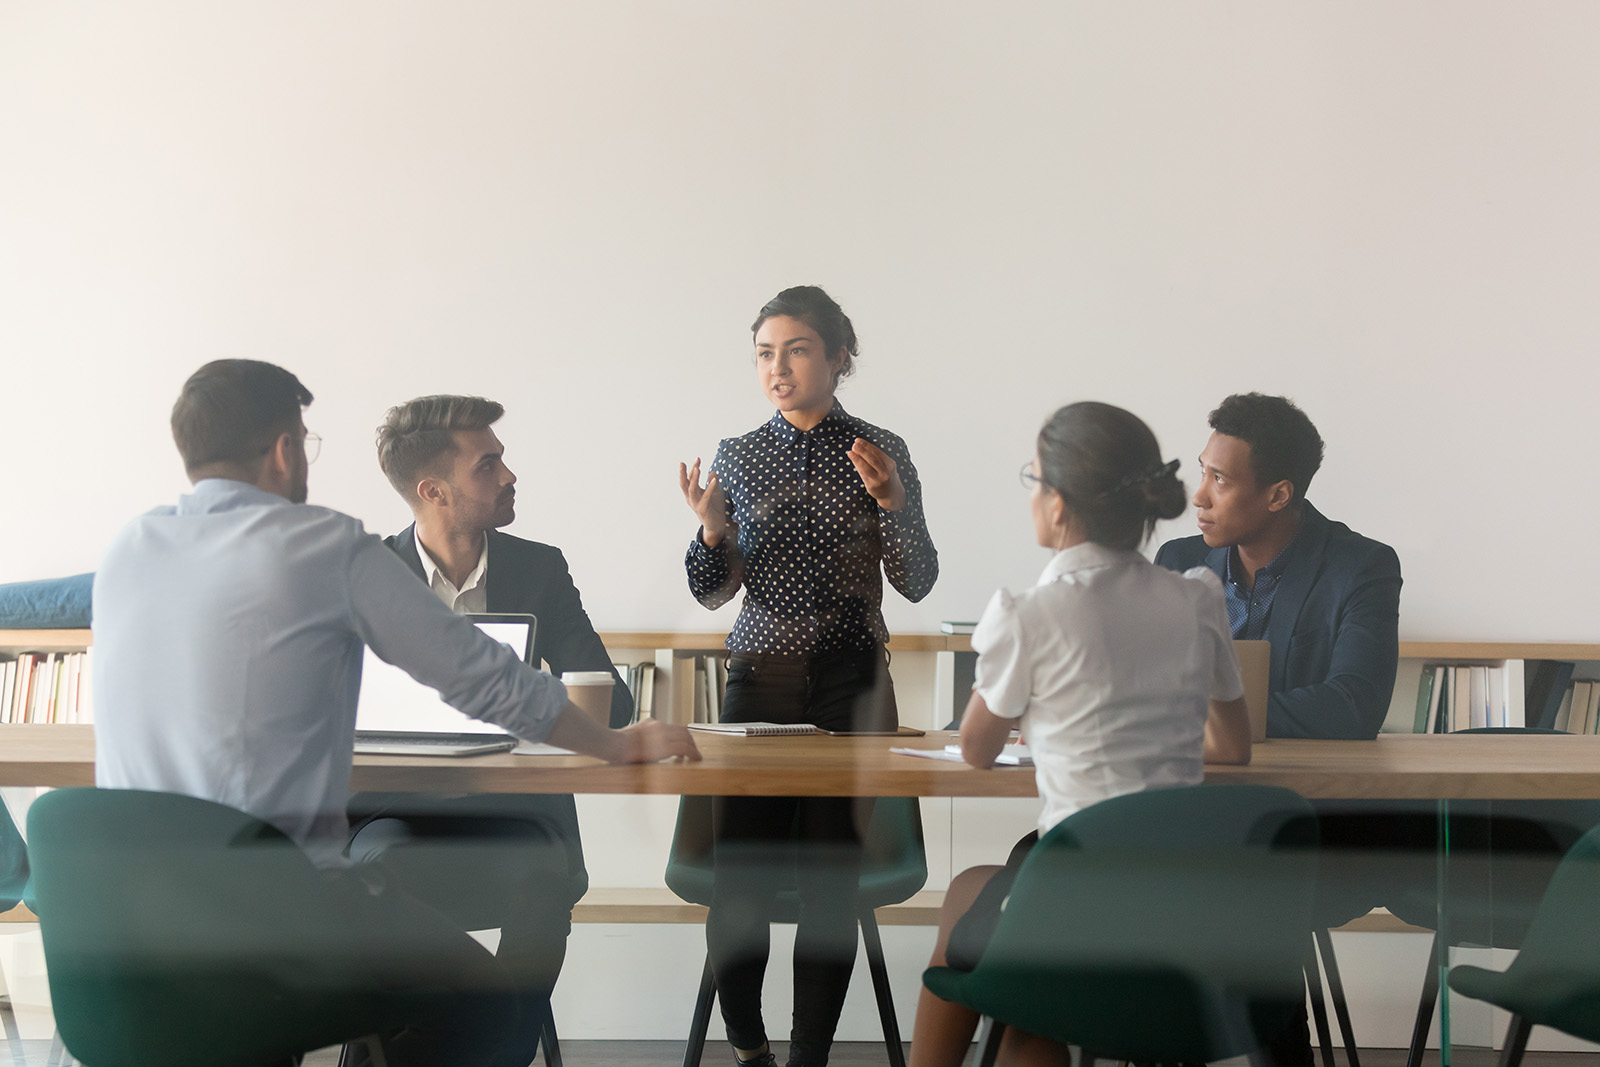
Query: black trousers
x,y
765,844
484,862
445,999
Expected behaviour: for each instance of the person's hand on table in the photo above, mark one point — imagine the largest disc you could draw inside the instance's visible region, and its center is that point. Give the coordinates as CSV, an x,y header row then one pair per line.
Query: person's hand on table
x,y
643,742
707,502
651,741
879,473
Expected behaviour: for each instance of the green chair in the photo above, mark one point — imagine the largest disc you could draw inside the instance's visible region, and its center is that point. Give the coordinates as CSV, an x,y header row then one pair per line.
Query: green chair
x,y
894,866
182,933
1555,979
1502,855
1167,926
13,887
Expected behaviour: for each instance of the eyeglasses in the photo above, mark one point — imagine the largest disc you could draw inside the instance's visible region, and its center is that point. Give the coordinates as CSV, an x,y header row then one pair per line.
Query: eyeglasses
x,y
313,443
1027,477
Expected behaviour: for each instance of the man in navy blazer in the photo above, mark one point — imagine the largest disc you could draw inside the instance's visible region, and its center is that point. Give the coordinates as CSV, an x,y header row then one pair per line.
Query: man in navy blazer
x,y
489,860
1326,598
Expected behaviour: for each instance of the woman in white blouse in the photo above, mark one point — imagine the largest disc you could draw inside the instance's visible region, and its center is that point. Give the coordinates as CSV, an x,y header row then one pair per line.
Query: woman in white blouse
x,y
1121,675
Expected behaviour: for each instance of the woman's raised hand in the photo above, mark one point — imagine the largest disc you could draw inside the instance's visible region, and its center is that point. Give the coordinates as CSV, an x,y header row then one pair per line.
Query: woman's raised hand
x,y
707,502
878,473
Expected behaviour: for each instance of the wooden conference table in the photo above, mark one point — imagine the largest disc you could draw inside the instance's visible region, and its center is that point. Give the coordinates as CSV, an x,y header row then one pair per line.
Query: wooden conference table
x,y
1394,766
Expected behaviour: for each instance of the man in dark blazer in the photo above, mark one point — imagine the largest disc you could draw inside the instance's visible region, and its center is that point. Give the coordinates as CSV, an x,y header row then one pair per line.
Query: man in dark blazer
x,y
491,860
1326,598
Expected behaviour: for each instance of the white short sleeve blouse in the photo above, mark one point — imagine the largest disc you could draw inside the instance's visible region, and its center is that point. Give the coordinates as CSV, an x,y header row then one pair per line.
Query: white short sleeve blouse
x,y
1109,661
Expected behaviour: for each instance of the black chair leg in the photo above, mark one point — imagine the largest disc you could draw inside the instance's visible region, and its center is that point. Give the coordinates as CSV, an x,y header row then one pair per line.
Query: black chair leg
x,y
1516,1042
990,1034
549,1044
880,988
1319,1006
702,1017
1341,1006
1430,996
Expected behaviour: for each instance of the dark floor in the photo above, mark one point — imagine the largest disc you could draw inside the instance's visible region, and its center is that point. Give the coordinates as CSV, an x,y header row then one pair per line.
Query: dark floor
x,y
845,1054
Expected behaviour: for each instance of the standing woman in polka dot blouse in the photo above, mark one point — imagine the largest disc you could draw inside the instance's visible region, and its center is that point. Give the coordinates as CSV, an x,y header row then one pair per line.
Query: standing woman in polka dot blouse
x,y
802,511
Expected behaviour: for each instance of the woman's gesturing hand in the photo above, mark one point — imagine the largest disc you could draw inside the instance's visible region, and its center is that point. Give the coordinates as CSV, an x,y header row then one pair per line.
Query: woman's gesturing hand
x,y
878,473
707,502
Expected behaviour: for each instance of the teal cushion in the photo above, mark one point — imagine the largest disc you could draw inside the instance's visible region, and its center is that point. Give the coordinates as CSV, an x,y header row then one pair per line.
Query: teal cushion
x,y
50,604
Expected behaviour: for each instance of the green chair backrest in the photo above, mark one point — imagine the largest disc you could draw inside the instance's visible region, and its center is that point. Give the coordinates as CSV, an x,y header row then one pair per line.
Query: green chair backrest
x,y
1161,926
1564,936
894,862
1555,979
13,863
183,933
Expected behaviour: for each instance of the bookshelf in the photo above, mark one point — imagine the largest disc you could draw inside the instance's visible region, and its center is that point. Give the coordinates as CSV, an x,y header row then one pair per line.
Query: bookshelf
x,y
674,653
1416,657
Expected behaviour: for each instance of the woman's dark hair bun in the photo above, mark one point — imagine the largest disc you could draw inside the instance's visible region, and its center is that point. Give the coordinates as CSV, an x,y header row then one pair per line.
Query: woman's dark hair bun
x,y
1107,466
1165,496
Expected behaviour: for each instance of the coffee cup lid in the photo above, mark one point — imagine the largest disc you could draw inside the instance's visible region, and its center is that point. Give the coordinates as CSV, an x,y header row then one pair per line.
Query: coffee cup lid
x,y
587,678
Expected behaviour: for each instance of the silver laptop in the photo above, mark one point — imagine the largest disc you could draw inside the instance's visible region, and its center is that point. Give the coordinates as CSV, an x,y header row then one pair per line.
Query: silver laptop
x,y
399,716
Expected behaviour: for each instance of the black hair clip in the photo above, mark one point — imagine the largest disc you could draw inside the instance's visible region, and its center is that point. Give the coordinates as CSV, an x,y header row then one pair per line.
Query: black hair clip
x,y
1159,471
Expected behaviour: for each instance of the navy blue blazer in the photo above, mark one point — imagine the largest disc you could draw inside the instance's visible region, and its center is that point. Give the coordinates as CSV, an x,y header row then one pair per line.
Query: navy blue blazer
x,y
530,578
1334,628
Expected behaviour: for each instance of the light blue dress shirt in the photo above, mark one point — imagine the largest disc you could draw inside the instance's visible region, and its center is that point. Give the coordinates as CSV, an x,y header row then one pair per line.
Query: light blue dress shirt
x,y
228,636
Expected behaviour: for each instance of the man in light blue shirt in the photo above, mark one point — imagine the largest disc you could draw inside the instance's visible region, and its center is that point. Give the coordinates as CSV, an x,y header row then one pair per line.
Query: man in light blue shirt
x,y
228,649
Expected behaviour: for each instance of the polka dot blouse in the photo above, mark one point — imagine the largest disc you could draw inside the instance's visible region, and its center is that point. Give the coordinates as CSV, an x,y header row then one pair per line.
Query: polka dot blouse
x,y
811,539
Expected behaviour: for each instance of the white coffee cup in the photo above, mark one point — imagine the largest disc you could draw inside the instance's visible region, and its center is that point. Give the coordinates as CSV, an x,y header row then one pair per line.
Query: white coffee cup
x,y
591,691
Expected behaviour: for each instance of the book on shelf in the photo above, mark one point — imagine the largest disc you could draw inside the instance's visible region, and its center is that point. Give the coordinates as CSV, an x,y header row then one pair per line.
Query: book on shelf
x,y
1549,682
957,627
1580,709
710,686
641,681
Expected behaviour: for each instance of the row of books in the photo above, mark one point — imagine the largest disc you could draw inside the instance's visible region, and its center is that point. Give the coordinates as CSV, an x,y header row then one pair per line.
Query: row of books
x,y
49,687
1579,711
1453,697
1539,693
710,683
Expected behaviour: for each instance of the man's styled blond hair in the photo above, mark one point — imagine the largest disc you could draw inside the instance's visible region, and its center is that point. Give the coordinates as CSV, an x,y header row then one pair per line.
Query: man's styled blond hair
x,y
417,435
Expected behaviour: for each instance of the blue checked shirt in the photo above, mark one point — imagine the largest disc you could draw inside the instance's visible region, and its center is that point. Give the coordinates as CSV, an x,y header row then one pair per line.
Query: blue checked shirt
x,y
1249,609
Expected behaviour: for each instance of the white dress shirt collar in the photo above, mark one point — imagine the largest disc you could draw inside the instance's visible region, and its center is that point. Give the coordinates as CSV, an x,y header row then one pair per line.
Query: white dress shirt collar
x,y
473,595
1085,556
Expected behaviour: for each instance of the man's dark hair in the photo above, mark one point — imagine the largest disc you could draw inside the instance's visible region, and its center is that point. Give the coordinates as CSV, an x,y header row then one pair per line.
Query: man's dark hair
x,y
417,434
232,410
1284,446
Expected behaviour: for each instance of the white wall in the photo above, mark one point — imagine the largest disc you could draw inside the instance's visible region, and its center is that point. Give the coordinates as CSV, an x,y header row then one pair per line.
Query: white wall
x,y
1387,210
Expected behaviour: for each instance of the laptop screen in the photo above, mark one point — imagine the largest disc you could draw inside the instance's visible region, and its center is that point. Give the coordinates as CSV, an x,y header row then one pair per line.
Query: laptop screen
x,y
392,700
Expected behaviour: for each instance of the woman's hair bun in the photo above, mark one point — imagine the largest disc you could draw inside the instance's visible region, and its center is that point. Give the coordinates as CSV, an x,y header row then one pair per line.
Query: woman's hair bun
x,y
1164,495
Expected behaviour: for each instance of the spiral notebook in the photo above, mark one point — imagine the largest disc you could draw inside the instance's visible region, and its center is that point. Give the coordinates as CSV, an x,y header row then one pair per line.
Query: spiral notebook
x,y
791,729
